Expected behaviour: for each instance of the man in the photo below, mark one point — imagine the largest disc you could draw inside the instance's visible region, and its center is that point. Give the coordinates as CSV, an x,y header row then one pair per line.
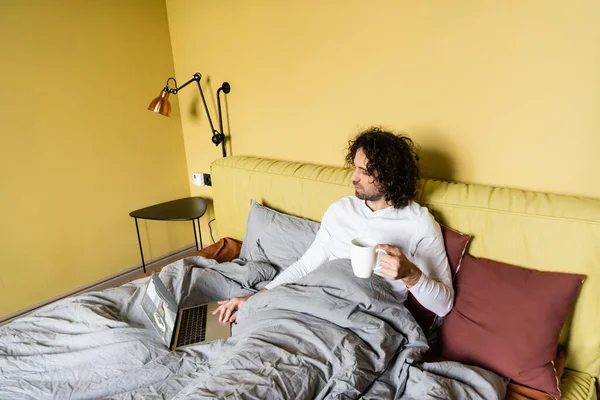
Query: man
x,y
385,182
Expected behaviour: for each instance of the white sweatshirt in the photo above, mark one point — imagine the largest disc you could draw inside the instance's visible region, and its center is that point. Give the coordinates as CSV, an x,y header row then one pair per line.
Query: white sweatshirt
x,y
412,229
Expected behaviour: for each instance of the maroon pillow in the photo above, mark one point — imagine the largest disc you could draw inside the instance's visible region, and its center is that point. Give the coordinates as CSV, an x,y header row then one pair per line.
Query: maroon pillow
x,y
456,245
508,319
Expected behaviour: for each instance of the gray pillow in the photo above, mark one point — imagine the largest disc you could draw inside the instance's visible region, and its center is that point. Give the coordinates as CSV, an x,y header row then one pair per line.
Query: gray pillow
x,y
277,238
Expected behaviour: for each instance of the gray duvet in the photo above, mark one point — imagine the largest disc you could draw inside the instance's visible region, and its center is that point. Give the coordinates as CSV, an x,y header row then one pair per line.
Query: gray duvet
x,y
331,335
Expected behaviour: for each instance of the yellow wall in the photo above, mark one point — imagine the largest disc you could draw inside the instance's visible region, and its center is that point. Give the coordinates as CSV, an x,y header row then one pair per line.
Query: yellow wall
x,y
79,151
501,93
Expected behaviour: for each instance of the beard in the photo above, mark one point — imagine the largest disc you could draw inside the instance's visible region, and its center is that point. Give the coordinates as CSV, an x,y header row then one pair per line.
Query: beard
x,y
368,196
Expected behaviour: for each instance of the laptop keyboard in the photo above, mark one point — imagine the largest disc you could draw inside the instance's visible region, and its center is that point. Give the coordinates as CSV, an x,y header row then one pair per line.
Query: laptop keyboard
x,y
193,326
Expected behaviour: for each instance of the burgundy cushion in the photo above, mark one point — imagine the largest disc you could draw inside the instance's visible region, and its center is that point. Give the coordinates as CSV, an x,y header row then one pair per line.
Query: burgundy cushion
x,y
508,319
456,245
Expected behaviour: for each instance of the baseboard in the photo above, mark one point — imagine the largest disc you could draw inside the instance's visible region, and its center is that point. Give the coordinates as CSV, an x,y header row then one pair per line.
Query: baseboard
x,y
110,281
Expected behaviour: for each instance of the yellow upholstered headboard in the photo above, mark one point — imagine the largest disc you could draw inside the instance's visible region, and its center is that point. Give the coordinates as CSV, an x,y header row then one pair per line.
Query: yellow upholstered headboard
x,y
535,230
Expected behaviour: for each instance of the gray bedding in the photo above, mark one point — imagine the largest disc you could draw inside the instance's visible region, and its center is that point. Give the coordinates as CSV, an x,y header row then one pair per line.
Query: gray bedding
x,y
331,335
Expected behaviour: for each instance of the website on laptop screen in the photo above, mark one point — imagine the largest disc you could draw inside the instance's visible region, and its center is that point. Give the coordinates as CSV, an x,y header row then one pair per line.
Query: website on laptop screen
x,y
160,307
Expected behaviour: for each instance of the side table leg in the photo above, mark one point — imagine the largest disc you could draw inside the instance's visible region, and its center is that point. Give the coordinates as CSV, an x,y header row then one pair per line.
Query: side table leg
x,y
195,235
200,233
140,243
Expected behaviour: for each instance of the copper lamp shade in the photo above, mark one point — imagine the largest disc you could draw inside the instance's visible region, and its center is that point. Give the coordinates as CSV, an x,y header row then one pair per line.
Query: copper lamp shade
x,y
161,104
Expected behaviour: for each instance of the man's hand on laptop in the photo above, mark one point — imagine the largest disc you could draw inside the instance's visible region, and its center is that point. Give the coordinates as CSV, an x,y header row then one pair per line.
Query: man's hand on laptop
x,y
227,307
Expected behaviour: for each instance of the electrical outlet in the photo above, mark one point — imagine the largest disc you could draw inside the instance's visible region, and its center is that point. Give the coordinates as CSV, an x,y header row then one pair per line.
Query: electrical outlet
x,y
201,179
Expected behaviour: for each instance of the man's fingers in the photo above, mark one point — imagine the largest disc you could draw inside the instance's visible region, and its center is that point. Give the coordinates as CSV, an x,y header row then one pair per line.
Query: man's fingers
x,y
225,309
386,267
387,270
391,250
226,315
233,317
222,312
222,306
384,259
389,260
389,273
384,247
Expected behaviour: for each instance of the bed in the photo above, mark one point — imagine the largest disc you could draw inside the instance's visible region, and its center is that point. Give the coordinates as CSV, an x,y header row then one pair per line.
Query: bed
x,y
331,335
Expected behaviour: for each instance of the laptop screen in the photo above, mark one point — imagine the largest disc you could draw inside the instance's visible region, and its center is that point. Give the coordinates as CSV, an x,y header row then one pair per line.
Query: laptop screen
x,y
160,307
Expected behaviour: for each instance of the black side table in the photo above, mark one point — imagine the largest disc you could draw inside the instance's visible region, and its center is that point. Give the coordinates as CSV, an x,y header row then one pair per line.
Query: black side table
x,y
190,208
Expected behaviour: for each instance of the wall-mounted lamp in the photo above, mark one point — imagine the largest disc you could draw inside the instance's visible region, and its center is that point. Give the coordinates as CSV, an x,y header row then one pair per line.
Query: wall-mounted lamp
x,y
162,106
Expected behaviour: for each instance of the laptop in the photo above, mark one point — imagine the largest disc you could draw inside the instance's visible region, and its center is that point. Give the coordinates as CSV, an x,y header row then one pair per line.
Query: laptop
x,y
181,327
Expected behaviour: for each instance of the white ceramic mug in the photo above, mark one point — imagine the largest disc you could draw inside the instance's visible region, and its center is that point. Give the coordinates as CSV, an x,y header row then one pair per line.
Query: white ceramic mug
x,y
365,256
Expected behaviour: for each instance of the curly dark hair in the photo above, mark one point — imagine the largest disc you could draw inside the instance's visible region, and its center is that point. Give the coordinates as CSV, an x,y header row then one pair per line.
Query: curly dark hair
x,y
392,159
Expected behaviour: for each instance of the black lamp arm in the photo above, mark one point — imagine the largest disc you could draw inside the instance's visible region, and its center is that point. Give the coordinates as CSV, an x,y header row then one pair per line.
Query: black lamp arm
x,y
225,88
195,78
217,136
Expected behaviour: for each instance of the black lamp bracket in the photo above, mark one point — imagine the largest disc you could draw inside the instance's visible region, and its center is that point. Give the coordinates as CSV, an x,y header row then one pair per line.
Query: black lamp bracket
x,y
218,138
174,91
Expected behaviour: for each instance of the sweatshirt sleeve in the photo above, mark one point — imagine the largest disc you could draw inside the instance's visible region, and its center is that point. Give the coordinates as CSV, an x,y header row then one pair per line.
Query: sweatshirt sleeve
x,y
434,289
317,254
